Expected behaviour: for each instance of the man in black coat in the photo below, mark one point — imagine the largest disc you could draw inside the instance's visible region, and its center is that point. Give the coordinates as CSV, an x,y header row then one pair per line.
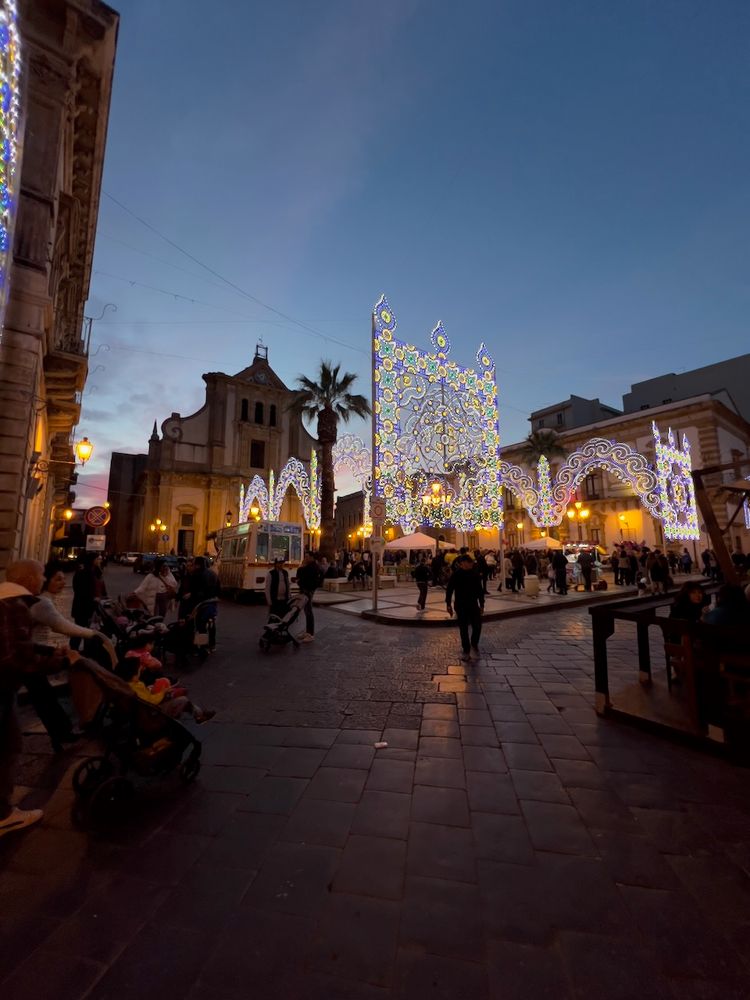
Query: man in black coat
x,y
586,562
560,566
466,593
309,578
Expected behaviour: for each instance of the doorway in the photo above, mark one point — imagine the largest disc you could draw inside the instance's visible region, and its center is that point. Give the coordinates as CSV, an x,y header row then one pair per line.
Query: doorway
x,y
185,542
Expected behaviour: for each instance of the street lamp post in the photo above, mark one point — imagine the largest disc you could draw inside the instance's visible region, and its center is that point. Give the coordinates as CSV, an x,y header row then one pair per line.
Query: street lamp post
x,y
580,514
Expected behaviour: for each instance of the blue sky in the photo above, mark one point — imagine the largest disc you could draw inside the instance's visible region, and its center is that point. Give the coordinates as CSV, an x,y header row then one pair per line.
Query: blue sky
x,y
566,181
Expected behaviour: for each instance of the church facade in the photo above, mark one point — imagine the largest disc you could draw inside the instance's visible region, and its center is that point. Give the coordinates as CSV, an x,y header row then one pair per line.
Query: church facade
x,y
195,467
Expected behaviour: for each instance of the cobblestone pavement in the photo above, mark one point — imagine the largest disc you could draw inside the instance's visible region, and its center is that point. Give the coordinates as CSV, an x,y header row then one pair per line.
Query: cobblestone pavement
x,y
506,844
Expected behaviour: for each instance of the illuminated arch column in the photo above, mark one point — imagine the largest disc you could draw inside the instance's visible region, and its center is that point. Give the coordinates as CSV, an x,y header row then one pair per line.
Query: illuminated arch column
x,y
678,512
10,102
257,492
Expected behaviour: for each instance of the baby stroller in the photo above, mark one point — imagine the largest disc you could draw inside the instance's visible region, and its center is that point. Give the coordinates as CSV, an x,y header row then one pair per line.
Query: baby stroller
x,y
196,633
140,740
119,623
276,630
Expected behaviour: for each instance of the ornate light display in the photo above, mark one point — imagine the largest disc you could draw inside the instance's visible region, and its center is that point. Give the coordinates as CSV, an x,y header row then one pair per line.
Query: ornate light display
x,y
667,494
256,494
270,499
677,495
435,421
10,71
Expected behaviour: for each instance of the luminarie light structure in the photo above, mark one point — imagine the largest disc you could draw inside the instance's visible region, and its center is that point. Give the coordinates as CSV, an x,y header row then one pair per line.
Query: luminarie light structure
x,y
10,102
435,422
677,494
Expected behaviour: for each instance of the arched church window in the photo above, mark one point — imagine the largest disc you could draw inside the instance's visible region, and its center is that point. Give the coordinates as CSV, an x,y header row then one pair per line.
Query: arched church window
x,y
258,413
272,415
243,411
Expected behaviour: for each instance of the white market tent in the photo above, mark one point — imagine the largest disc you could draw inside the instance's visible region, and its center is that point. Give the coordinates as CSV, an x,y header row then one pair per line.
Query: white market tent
x,y
417,540
543,543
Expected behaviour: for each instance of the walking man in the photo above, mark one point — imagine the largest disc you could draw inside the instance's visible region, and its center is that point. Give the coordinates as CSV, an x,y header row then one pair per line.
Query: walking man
x,y
465,592
421,574
560,566
309,577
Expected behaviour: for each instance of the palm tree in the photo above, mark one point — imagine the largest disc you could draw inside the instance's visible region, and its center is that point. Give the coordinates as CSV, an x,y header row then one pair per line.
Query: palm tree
x,y
328,400
540,443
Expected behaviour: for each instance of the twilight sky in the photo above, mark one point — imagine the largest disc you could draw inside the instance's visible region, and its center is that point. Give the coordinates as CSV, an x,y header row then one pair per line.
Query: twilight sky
x,y
564,179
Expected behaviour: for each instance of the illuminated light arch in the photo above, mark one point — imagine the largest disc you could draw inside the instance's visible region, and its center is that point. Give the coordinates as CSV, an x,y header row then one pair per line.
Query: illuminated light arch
x,y
257,492
520,483
620,460
667,493
10,72
292,476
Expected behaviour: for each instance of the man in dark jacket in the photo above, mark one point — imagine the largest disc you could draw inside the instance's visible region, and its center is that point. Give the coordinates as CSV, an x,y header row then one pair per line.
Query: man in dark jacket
x,y
560,566
586,562
467,594
517,564
278,590
309,578
421,574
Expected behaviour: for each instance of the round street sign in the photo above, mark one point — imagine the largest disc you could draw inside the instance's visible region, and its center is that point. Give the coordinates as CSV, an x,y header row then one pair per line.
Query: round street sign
x,y
97,517
165,538
377,510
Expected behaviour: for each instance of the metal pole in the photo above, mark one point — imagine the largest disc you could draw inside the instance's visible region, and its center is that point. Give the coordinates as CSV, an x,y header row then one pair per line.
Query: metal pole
x,y
373,491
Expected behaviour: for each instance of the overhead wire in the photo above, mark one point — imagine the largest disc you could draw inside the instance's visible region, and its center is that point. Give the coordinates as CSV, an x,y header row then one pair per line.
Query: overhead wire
x,y
229,282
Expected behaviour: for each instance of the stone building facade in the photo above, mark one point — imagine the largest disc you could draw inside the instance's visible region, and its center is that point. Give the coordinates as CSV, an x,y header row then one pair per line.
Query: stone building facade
x,y
349,519
195,467
68,51
717,433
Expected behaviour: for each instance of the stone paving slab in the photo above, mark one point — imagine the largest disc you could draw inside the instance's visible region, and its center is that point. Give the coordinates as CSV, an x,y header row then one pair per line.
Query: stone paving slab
x,y
508,843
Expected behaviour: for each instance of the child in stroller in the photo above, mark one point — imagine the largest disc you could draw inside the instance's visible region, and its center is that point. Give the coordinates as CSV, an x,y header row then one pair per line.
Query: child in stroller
x,y
276,630
143,673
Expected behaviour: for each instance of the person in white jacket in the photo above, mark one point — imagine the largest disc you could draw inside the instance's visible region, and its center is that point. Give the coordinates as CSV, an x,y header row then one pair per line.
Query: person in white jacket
x,y
157,589
51,627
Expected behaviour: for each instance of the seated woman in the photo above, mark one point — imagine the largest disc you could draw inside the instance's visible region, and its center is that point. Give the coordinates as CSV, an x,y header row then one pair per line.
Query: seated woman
x,y
689,603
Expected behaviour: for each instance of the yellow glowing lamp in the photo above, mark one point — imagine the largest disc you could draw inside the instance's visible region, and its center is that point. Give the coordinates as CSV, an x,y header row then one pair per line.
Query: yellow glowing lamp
x,y
519,525
571,514
84,450
544,534
152,527
622,517
106,504
228,519
585,513
68,514
578,504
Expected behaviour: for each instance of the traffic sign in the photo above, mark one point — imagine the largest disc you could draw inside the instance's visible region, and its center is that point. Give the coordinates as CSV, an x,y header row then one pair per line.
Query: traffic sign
x,y
377,511
97,517
96,543
165,538
377,544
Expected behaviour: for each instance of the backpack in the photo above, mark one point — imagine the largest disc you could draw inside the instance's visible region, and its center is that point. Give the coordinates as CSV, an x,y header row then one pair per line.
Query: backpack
x,y
16,647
